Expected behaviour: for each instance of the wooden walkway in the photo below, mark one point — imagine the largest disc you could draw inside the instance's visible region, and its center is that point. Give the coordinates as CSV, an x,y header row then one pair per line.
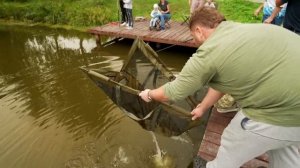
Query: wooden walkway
x,y
176,34
212,137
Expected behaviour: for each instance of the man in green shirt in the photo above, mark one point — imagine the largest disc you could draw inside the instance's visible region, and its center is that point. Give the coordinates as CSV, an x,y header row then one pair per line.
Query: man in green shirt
x,y
258,65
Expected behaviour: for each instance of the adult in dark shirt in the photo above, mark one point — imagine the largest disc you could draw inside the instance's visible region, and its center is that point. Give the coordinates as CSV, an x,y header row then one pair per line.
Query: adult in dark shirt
x,y
292,15
165,13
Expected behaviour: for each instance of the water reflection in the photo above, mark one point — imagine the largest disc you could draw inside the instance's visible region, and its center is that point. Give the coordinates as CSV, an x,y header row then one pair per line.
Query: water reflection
x,y
56,43
52,115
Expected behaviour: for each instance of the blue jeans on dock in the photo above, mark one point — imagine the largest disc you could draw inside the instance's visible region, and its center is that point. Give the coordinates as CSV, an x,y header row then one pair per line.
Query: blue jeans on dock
x,y
163,18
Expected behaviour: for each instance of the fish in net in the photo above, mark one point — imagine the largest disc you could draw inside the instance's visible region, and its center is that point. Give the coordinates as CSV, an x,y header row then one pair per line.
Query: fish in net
x,y
144,69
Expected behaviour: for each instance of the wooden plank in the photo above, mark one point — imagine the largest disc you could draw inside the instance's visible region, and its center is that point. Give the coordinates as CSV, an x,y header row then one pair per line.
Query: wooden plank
x,y
208,148
212,137
215,127
224,121
181,32
227,115
206,156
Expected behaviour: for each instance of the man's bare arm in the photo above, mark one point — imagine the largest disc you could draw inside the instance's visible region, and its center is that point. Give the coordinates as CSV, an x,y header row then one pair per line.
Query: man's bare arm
x,y
209,100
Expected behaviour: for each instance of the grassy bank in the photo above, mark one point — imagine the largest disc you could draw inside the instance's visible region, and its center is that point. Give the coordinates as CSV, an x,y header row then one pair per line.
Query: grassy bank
x,y
87,13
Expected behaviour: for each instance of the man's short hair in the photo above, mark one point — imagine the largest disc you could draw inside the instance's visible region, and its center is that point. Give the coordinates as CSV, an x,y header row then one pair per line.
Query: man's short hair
x,y
206,17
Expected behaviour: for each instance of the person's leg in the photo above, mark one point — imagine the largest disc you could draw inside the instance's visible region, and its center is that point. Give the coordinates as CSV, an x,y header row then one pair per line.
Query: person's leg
x,y
167,17
126,16
123,13
155,21
130,17
237,146
288,157
152,22
243,140
162,21
124,20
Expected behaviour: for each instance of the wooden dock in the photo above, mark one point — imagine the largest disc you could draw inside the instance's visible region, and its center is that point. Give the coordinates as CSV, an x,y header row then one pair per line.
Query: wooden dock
x,y
212,138
176,34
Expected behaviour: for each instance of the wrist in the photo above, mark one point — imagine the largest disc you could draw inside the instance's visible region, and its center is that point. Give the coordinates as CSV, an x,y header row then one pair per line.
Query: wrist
x,y
149,95
201,107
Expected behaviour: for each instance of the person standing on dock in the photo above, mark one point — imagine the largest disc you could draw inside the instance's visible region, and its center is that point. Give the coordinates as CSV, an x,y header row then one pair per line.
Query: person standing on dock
x,y
128,8
258,65
123,13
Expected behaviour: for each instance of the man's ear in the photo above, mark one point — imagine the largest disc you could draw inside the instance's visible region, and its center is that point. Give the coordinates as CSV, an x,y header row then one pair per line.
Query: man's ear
x,y
199,30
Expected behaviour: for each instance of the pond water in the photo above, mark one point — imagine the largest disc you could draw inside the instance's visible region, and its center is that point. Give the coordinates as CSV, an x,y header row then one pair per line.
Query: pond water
x,y
52,115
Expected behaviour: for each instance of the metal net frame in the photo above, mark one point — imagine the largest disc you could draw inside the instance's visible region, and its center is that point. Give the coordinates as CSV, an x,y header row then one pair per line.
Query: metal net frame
x,y
144,69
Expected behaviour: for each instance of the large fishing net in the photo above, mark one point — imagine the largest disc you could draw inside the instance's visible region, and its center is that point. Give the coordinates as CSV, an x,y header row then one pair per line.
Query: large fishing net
x,y
142,70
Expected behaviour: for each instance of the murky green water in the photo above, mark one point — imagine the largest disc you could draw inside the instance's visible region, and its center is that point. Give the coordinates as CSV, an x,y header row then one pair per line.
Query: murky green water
x,y
52,115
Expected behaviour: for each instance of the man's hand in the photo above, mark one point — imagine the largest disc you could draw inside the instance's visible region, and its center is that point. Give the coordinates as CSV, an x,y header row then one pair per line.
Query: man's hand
x,y
197,112
145,95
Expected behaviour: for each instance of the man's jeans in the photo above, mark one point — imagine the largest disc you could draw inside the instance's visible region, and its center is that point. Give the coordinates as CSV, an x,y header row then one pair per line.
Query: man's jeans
x,y
244,139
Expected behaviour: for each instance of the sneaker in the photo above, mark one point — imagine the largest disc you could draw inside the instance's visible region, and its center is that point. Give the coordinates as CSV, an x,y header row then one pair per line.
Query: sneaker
x,y
227,104
127,25
129,28
198,162
123,24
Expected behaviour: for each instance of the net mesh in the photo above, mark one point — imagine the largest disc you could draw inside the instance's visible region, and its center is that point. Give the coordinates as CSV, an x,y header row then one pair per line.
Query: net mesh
x,y
144,69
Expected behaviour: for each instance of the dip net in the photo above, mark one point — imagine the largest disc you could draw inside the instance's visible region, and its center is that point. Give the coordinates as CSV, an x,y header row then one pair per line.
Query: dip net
x,y
142,70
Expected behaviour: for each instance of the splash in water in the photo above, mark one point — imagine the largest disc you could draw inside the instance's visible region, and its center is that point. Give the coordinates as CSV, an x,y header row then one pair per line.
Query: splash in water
x,y
161,159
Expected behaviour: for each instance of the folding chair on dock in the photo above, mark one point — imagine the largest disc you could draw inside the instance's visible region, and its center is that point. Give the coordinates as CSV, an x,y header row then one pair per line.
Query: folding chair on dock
x,y
185,18
167,24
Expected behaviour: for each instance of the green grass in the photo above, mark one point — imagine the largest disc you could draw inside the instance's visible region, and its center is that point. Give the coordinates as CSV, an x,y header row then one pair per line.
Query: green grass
x,y
239,10
87,13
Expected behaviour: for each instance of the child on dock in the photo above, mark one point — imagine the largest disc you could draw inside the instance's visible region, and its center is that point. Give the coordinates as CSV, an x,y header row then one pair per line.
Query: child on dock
x,y
154,16
128,8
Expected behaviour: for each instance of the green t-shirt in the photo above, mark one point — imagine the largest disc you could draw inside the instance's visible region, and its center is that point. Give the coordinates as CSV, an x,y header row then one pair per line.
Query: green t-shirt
x,y
258,64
